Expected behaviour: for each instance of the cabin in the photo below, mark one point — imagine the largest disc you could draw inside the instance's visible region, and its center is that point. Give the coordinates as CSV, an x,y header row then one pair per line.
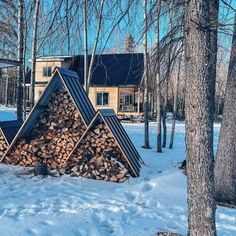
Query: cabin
x,y
115,83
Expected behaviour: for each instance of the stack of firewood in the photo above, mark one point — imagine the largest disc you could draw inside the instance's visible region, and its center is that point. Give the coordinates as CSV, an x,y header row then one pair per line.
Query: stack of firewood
x,y
97,156
56,132
3,145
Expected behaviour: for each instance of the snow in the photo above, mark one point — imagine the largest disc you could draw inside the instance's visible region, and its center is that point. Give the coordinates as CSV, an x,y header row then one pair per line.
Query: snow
x,y
55,206
7,113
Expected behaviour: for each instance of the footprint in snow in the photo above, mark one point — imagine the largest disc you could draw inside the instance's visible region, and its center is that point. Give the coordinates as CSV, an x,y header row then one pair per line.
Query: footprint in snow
x,y
130,197
147,187
31,232
146,178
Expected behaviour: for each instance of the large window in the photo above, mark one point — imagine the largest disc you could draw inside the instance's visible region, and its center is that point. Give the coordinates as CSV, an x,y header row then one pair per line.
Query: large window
x,y
47,71
129,99
102,98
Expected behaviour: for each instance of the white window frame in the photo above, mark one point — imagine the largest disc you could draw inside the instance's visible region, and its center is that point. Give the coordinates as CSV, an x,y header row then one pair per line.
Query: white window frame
x,y
108,95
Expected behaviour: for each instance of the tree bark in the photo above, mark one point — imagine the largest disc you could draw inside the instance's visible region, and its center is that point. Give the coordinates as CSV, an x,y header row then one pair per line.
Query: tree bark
x,y
19,88
225,166
158,80
146,97
214,12
175,107
24,73
199,122
34,49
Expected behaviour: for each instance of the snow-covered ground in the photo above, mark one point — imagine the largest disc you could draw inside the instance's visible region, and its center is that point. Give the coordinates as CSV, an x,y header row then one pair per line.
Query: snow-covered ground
x,y
7,113
66,206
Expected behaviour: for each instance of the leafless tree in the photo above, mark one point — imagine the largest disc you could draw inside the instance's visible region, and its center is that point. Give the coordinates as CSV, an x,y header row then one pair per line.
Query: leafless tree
x,y
158,78
19,88
34,52
85,46
225,166
199,120
146,76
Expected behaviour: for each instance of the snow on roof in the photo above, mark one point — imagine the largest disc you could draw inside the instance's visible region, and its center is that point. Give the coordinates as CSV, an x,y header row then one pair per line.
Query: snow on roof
x,y
52,58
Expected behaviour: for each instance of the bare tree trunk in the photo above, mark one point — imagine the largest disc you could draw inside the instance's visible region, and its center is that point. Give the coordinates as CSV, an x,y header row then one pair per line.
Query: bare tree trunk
x,y
158,80
165,110
67,27
199,122
225,166
146,96
24,70
34,48
168,74
19,89
85,47
6,89
176,88
95,46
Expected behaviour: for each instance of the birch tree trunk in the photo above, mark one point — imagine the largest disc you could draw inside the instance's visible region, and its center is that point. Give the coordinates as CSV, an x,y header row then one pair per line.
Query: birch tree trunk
x,y
34,49
225,166
85,47
158,80
95,46
24,73
168,74
146,97
199,122
176,88
19,88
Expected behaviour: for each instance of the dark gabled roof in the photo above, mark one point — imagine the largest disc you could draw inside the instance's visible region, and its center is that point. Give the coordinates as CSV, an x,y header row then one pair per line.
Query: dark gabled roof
x,y
109,117
61,77
113,69
10,129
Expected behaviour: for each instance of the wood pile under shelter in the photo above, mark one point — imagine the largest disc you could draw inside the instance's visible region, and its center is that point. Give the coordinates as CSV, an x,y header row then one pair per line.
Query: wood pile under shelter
x,y
55,124
8,130
105,152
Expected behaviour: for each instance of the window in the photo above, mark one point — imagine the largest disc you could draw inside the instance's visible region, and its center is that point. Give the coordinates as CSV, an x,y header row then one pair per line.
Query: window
x,y
47,71
128,101
102,98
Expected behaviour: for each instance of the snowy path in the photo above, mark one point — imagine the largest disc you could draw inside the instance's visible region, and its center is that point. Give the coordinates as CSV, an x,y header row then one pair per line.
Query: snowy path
x,y
80,207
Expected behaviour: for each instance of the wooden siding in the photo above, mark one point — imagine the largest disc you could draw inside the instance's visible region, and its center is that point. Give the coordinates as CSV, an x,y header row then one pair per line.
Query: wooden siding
x,y
39,88
113,97
39,69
